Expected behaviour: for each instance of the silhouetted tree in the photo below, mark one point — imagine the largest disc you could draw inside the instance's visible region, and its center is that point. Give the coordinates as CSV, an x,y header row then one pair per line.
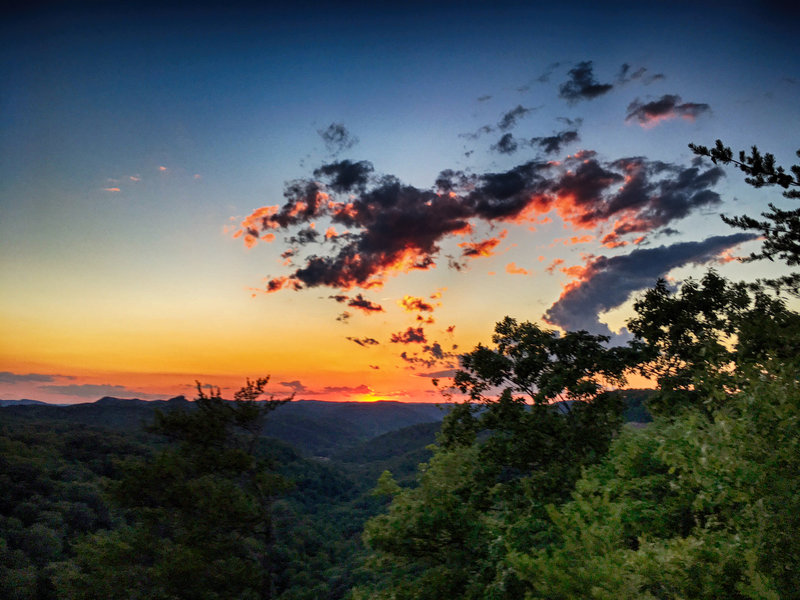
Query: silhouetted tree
x,y
781,228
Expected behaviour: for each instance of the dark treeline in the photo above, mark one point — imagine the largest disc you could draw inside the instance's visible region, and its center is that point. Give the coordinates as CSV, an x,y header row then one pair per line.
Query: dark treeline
x,y
531,487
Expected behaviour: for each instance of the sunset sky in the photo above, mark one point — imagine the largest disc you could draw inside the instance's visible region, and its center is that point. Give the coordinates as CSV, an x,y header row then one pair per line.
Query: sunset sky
x,y
346,198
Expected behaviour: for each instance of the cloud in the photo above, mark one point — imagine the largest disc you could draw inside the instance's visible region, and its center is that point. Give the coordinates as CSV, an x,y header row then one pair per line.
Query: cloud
x,y
667,107
295,386
605,283
429,356
9,377
91,390
510,118
346,176
365,341
360,303
513,269
554,143
337,138
414,304
640,74
411,335
111,189
344,389
482,248
390,227
437,374
631,195
506,145
582,84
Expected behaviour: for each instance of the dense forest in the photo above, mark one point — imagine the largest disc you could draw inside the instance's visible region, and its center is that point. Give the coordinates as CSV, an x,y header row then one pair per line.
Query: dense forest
x,y
530,484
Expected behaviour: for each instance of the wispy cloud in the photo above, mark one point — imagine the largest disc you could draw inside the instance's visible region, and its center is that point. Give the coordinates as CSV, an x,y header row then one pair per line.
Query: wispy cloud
x,y
91,390
337,138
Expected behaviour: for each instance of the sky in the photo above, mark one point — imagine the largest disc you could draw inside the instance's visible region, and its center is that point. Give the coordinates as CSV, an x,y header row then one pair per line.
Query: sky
x,y
346,196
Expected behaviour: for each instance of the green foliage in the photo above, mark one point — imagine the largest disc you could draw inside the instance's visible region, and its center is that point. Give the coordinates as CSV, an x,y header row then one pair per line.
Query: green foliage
x,y
692,339
199,511
51,477
497,466
541,364
781,228
687,508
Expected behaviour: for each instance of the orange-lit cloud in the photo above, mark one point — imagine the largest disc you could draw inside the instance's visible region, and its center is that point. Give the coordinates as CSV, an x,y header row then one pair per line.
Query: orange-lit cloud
x,y
482,248
111,189
397,228
554,265
513,269
414,304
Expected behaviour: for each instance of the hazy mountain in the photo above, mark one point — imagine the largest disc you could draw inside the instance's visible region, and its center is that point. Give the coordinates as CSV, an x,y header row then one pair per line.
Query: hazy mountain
x,y
21,402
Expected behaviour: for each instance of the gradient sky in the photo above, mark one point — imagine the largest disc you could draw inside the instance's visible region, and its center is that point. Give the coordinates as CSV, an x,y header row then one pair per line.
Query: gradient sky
x,y
421,172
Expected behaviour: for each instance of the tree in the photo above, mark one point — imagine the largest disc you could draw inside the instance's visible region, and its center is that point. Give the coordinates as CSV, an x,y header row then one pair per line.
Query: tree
x,y
199,512
687,508
781,228
536,413
695,341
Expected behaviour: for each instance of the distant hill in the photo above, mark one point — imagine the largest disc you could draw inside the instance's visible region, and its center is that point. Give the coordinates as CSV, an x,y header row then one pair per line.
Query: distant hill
x,y
22,402
314,427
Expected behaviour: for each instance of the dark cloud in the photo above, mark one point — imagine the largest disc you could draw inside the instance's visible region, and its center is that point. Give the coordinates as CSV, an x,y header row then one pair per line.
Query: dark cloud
x,y
429,356
510,118
344,317
582,84
365,341
392,227
346,176
412,335
484,98
605,283
632,195
9,377
554,143
505,145
359,302
337,138
364,305
669,106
